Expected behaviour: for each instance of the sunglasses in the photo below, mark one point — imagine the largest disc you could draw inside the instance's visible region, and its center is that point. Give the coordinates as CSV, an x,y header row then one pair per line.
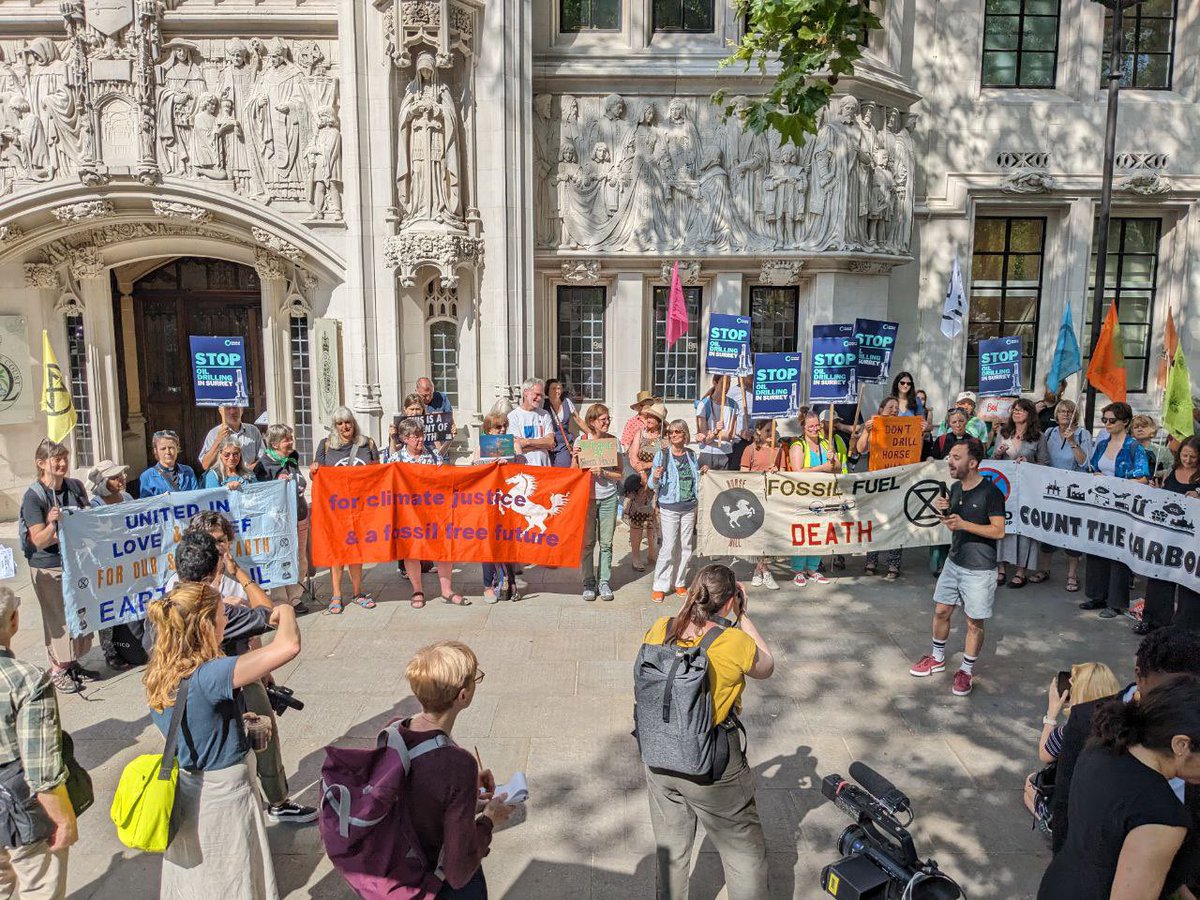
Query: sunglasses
x,y
904,383
1109,421
165,433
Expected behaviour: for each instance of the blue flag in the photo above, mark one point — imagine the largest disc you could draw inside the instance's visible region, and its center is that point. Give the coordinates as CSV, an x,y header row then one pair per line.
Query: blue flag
x,y
1067,360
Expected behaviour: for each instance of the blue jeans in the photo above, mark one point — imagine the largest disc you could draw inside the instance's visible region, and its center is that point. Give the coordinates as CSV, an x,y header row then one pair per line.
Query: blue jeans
x,y
496,574
805,563
475,889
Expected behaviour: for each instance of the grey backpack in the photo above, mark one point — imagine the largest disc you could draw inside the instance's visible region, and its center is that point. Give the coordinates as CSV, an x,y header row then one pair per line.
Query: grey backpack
x,y
673,709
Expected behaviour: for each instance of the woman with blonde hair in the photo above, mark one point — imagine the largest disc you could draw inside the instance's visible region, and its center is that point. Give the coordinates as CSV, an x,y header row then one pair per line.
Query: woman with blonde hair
x,y
1089,681
346,446
219,843
230,469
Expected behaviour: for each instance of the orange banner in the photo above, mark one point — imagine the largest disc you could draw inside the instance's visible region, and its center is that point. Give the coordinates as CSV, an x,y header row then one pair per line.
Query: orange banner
x,y
490,513
895,441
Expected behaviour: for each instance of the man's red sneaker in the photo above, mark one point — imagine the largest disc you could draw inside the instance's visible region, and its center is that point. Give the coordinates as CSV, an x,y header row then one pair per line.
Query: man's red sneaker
x,y
962,684
927,665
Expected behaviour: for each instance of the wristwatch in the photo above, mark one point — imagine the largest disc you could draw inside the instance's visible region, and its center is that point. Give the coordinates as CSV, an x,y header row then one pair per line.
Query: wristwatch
x,y
1046,720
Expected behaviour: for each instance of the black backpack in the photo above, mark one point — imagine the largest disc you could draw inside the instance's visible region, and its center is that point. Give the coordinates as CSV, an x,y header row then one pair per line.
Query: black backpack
x,y
74,490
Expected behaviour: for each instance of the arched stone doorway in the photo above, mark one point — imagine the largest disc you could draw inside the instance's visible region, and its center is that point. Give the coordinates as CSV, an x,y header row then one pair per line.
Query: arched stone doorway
x,y
176,300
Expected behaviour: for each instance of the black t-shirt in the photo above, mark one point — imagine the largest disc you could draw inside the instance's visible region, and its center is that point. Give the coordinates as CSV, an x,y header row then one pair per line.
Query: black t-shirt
x,y
977,506
1110,796
35,508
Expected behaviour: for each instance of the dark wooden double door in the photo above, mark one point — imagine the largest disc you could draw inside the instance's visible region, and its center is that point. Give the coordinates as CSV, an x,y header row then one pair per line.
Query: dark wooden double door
x,y
200,297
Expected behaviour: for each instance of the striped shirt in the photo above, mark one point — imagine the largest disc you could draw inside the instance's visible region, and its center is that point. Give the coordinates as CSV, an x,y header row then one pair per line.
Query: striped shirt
x,y
30,730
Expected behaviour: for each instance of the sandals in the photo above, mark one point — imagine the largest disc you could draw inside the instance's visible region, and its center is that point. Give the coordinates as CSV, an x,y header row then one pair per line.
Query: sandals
x,y
637,567
1039,576
335,606
1017,581
892,575
1001,578
1072,584
456,600
364,600
869,569
418,604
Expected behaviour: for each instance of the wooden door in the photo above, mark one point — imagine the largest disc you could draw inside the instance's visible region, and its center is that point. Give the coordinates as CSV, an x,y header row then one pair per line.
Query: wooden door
x,y
187,297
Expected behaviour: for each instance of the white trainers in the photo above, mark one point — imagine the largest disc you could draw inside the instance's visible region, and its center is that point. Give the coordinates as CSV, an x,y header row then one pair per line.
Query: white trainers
x,y
768,581
757,580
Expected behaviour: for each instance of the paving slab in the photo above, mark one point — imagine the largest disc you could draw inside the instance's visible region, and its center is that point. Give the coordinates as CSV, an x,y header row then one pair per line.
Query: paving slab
x,y
556,703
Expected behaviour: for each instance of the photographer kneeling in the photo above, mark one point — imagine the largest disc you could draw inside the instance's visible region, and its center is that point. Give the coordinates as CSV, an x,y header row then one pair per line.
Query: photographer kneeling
x,y
723,801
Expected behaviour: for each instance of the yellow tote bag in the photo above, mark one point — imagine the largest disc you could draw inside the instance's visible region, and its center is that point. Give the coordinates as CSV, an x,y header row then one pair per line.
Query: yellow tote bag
x,y
145,796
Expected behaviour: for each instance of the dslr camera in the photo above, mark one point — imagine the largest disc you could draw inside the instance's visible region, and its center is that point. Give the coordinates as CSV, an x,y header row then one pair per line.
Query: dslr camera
x,y
879,860
282,699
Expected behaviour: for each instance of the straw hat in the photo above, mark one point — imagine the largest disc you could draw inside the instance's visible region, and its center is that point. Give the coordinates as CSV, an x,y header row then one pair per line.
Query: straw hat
x,y
657,410
644,397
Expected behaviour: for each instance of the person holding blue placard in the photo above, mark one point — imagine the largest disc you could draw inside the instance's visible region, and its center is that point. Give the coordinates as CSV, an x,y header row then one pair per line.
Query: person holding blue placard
x,y
246,433
716,426
812,453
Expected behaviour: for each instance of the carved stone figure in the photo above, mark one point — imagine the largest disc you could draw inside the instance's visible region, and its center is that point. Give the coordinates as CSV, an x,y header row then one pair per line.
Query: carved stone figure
x,y
864,164
881,203
544,198
904,168
282,117
568,123
324,156
428,178
23,145
640,221
611,128
52,101
608,180
569,183
715,224
181,82
747,154
209,132
236,88
785,193
834,180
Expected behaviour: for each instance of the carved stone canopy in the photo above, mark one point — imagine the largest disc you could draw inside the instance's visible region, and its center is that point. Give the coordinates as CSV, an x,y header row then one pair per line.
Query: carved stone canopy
x,y
409,251
689,272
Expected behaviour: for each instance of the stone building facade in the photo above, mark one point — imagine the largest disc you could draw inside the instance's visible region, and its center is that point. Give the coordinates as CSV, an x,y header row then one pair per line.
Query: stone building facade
x,y
373,190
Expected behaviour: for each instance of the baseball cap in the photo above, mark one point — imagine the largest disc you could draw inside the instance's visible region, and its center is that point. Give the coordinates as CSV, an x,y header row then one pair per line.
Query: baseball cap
x,y
967,395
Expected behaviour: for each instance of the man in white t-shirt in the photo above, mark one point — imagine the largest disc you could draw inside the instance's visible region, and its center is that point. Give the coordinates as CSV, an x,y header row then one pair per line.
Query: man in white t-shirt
x,y
531,426
716,428
231,425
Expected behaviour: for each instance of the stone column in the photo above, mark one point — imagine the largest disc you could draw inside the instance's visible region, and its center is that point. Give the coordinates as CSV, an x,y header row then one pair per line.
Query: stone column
x,y
939,362
133,438
727,294
277,367
627,317
95,296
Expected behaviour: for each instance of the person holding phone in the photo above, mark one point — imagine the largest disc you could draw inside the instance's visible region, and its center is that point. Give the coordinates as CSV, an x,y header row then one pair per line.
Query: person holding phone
x,y
974,514
726,806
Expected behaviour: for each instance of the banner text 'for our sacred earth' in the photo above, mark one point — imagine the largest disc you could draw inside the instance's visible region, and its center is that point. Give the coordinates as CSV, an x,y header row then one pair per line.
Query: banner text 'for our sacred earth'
x,y
117,558
490,513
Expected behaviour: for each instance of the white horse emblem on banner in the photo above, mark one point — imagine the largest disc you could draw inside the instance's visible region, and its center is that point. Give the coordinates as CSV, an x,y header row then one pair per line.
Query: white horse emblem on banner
x,y
525,486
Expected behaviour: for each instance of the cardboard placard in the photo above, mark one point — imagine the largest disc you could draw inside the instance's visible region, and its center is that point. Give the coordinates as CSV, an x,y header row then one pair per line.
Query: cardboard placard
x,y
219,371
895,441
995,409
598,454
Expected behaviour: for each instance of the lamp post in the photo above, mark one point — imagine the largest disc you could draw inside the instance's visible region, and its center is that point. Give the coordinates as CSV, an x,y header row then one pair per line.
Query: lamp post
x,y
1110,146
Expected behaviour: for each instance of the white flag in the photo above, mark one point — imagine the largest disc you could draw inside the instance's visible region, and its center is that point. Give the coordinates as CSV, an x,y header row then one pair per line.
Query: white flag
x,y
955,306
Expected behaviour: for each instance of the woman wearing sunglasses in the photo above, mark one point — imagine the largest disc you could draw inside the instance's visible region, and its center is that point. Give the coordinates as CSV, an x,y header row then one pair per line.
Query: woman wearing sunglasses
x,y
1118,455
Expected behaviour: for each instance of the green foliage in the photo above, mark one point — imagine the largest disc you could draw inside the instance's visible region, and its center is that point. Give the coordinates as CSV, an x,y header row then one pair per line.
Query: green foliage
x,y
804,37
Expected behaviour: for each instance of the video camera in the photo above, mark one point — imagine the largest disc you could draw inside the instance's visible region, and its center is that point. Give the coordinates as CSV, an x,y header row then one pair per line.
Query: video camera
x,y
282,699
879,861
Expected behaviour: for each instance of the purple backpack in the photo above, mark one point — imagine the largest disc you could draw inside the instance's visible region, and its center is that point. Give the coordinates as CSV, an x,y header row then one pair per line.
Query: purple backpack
x,y
366,824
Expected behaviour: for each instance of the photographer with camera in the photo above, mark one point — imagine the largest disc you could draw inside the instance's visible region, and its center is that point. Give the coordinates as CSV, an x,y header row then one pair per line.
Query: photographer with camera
x,y
696,767
203,557
974,513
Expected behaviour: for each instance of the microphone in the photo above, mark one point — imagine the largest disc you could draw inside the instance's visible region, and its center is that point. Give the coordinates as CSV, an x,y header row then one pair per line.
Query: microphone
x,y
880,788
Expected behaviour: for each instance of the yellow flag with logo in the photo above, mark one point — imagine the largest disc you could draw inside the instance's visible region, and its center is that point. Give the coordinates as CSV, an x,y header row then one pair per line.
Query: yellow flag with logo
x,y
1177,401
56,395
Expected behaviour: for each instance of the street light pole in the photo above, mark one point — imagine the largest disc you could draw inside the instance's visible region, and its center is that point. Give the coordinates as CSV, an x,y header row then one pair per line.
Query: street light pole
x,y
1110,149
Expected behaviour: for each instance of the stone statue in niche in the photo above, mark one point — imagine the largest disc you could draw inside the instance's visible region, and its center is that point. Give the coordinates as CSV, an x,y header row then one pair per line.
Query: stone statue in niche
x,y
209,132
429,179
864,164
52,100
785,192
181,82
881,204
748,154
834,174
282,121
544,202
569,183
236,88
324,157
904,167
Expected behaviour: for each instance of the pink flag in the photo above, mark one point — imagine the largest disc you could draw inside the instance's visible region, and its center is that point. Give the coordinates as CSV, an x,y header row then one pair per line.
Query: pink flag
x,y
677,315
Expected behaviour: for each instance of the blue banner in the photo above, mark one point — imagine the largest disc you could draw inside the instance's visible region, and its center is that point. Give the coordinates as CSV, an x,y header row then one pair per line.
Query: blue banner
x,y
117,558
834,365
219,371
876,340
776,385
1000,367
728,350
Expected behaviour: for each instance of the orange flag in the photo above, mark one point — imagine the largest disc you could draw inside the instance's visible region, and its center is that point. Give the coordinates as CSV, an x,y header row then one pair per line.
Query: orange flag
x,y
1170,342
1106,371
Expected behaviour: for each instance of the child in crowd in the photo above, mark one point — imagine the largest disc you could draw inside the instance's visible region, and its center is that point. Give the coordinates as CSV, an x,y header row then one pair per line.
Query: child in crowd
x,y
761,456
639,516
497,576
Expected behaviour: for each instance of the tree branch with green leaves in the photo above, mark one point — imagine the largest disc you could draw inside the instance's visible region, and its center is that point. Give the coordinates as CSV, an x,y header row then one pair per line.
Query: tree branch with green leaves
x,y
805,38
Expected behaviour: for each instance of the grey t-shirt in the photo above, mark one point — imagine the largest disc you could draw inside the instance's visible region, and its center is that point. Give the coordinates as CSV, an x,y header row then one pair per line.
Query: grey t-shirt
x,y
977,506
248,436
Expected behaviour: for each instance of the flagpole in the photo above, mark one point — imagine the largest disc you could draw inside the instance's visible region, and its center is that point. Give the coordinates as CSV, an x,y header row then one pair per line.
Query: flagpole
x,y
1110,148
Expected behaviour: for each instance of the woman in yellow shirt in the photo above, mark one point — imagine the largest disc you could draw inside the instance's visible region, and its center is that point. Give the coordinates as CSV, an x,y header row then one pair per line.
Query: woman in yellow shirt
x,y
726,806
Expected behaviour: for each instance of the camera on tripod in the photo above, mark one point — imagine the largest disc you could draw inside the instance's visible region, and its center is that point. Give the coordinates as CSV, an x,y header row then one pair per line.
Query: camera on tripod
x,y
282,699
879,860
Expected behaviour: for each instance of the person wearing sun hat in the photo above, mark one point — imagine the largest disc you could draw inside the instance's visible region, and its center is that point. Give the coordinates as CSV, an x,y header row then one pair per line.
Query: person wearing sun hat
x,y
638,506
107,482
634,425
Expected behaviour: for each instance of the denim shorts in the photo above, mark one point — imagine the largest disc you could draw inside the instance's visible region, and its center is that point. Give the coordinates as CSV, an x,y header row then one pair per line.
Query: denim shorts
x,y
972,589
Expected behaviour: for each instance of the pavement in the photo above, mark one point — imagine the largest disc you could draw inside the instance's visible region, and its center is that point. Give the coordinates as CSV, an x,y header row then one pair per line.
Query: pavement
x,y
557,704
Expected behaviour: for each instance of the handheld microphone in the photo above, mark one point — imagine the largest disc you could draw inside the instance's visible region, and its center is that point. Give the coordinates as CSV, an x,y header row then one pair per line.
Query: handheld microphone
x,y
880,788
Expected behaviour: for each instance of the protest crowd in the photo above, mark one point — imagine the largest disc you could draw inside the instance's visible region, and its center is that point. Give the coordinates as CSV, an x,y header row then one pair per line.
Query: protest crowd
x,y
1119,796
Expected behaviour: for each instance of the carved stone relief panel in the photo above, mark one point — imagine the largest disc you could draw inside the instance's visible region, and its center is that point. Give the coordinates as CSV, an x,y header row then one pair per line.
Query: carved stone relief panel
x,y
255,116
659,174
